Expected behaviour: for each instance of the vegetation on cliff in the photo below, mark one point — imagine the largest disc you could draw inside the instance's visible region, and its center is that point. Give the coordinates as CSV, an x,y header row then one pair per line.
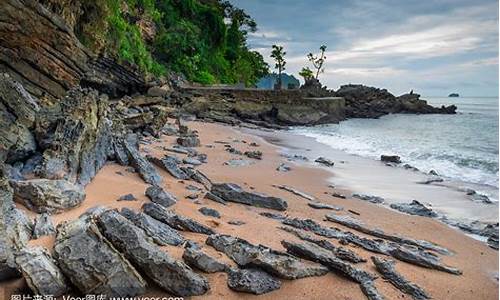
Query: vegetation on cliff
x,y
206,40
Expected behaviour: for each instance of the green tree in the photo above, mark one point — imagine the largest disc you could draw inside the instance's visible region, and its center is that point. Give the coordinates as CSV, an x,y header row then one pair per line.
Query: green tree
x,y
279,57
318,60
306,73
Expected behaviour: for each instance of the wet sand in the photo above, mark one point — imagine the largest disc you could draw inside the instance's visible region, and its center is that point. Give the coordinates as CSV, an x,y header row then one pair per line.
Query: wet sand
x,y
478,262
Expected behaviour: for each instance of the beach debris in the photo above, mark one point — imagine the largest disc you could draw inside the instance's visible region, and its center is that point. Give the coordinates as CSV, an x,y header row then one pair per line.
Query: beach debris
x,y
145,169
340,252
414,208
41,272
390,159
283,168
433,172
192,196
354,212
209,212
324,161
319,205
315,253
169,164
274,262
389,273
253,154
254,144
159,196
174,220
127,197
232,150
234,193
369,198
48,196
252,281
194,257
97,267
43,226
238,162
161,233
294,191
358,225
171,275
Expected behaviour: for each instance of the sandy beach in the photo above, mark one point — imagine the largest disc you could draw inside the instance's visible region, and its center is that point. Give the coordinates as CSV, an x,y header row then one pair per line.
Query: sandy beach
x,y
478,262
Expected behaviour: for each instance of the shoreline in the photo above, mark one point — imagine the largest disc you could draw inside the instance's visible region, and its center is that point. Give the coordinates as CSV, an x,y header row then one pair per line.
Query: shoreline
x,y
478,262
393,183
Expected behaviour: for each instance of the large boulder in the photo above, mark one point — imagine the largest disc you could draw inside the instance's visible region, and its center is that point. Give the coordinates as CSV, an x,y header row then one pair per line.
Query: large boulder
x,y
145,169
172,275
92,264
234,193
41,272
158,195
277,263
202,261
48,196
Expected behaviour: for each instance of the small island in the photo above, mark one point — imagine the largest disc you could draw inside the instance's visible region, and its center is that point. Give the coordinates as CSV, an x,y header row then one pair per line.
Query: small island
x,y
454,95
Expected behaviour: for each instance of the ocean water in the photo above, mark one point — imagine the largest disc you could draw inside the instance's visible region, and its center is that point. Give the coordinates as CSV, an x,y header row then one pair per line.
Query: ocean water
x,y
461,147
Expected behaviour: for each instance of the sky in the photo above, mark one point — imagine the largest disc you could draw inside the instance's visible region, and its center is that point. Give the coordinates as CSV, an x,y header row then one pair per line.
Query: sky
x,y
434,47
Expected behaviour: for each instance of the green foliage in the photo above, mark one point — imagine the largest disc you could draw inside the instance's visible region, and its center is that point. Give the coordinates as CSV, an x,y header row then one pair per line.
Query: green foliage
x,y
306,73
191,37
318,61
278,54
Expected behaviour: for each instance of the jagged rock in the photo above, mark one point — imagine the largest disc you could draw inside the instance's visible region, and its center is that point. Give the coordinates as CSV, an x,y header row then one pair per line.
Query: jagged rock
x,y
215,198
158,91
236,222
324,161
311,225
340,252
15,231
191,161
390,159
389,273
356,224
233,150
295,192
17,117
326,258
209,212
414,208
171,275
169,164
253,154
158,195
43,226
479,197
283,168
197,176
252,281
200,260
234,193
238,162
127,197
188,141
76,138
160,232
272,216
45,195
294,157
431,180
369,198
276,263
319,205
92,263
41,272
174,220
147,172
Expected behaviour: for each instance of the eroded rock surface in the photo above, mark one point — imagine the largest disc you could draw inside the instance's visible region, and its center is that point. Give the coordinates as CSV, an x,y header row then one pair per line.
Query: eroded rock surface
x,y
159,196
234,193
198,259
414,208
252,281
